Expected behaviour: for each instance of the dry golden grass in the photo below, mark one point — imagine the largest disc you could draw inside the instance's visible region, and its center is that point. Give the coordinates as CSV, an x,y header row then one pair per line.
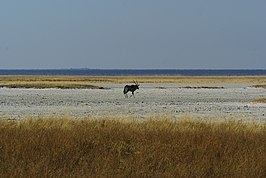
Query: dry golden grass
x,y
140,79
46,82
49,84
90,81
125,148
260,86
202,87
260,100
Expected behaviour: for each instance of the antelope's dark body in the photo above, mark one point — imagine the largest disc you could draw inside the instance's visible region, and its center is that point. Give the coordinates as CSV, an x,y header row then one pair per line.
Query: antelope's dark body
x,y
130,88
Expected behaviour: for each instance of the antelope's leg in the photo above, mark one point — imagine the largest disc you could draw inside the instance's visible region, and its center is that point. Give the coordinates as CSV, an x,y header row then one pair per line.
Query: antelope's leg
x,y
133,94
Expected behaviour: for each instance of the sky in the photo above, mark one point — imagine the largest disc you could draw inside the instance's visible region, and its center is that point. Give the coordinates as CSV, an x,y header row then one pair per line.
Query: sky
x,y
133,34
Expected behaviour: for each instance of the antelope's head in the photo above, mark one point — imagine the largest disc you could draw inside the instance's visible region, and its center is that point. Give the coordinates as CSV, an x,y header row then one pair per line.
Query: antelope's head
x,y
136,84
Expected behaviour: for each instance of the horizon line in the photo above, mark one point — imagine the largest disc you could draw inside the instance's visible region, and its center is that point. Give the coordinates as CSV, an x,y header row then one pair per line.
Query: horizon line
x,y
132,68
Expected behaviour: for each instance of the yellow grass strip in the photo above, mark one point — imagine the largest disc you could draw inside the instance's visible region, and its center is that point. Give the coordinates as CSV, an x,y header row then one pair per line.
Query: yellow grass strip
x,y
140,79
49,84
260,86
89,81
202,87
160,147
260,100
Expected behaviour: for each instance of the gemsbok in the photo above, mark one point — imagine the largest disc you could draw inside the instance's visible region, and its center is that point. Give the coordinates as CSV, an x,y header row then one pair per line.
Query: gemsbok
x,y
131,88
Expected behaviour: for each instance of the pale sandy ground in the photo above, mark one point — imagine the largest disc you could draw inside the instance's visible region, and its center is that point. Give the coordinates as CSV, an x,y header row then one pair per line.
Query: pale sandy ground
x,y
232,101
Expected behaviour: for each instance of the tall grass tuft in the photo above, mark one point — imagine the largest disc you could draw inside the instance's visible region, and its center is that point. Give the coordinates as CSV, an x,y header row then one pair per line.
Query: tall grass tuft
x,y
123,148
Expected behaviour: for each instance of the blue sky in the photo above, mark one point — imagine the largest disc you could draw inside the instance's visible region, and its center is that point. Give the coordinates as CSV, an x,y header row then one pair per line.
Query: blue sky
x,y
174,34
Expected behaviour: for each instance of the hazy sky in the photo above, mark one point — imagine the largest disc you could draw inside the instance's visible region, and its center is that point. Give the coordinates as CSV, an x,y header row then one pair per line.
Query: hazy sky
x,y
173,34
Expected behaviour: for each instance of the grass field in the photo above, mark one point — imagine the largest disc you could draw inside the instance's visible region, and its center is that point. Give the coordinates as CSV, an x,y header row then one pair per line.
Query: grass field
x,y
93,81
158,147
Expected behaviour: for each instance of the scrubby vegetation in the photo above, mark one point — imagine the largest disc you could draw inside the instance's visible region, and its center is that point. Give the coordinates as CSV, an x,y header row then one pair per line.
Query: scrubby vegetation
x,y
260,100
260,86
202,87
158,147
